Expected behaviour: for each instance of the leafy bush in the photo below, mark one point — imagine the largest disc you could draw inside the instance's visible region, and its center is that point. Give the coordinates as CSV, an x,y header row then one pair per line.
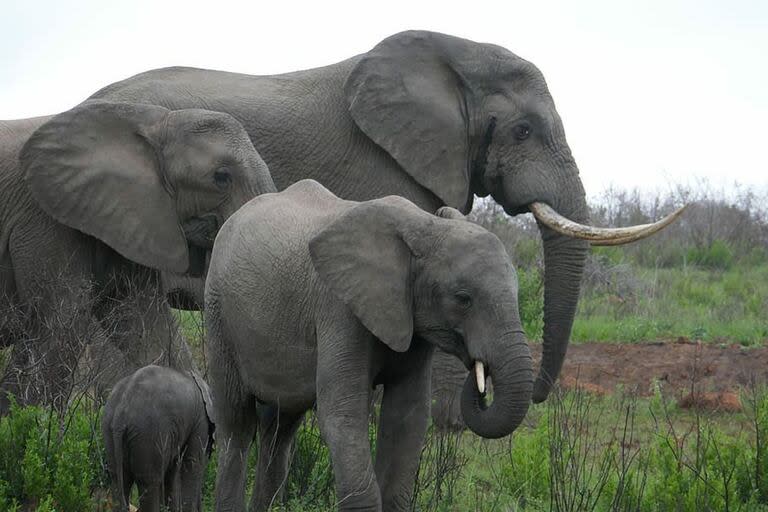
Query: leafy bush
x,y
718,255
531,300
55,461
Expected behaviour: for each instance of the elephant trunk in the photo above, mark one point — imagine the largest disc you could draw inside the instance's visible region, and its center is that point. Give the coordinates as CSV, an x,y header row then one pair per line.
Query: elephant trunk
x,y
511,373
564,260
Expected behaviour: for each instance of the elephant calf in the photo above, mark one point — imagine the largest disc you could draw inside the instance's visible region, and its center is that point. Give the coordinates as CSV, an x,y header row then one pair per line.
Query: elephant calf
x,y
158,433
314,299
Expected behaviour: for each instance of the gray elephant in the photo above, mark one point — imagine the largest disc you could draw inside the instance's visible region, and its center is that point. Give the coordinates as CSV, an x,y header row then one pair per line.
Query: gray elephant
x,y
158,429
430,117
311,298
93,202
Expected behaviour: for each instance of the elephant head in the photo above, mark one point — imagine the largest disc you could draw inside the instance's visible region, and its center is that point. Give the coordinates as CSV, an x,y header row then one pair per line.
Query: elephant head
x,y
464,118
411,277
153,184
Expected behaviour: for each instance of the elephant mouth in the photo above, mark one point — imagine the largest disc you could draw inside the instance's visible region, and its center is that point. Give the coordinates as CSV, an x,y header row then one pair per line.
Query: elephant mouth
x,y
197,260
201,231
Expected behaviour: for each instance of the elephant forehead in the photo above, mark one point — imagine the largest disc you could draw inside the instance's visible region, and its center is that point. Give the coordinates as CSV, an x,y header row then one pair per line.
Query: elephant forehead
x,y
473,241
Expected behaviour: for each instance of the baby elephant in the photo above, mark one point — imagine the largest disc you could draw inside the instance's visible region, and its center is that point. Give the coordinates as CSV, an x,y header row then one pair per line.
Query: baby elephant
x,y
158,433
311,298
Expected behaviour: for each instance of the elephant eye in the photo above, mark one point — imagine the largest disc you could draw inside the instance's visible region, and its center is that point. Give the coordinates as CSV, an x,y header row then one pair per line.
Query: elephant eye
x,y
522,131
222,177
463,299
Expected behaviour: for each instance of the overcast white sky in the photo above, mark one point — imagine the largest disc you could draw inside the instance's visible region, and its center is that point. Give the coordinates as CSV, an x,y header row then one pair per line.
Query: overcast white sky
x,y
651,93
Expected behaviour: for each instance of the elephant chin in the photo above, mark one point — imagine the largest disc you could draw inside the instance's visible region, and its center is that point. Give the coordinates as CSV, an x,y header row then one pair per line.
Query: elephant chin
x,y
512,380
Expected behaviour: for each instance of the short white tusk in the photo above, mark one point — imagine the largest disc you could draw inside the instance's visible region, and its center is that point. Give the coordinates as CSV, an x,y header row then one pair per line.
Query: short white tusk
x,y
599,236
480,376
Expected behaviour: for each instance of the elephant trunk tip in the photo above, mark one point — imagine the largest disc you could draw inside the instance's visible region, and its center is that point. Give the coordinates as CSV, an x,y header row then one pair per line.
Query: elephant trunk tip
x,y
541,389
511,398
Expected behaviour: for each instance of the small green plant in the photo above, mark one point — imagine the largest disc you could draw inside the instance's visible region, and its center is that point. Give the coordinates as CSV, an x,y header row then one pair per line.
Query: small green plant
x,y
47,505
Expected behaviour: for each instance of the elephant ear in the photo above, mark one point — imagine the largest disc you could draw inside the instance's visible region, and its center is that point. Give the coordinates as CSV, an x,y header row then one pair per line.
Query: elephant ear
x,y
97,168
405,95
364,260
205,392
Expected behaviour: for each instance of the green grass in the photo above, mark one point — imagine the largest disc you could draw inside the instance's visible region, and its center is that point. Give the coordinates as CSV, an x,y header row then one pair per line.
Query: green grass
x,y
730,305
574,452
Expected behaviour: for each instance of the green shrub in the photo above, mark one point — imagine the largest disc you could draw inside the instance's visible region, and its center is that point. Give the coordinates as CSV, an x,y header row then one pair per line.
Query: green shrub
x,y
718,256
7,503
47,505
609,255
527,253
15,430
531,299
35,470
52,460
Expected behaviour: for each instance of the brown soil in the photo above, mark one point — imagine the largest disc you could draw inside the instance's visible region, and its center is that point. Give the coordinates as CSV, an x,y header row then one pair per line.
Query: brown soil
x,y
717,371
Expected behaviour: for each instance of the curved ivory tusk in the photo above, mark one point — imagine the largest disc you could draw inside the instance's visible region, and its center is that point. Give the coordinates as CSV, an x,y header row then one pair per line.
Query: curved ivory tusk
x,y
599,236
480,376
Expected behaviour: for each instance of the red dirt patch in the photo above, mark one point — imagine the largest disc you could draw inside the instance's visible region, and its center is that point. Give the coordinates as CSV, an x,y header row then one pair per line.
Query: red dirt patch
x,y
725,401
677,365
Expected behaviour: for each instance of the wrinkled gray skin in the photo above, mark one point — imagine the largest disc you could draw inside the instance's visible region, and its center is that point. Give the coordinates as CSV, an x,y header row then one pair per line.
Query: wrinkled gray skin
x,y
311,298
158,434
426,116
93,202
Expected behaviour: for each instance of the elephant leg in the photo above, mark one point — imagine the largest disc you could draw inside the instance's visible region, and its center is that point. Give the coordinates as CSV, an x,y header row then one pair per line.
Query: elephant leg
x,y
171,497
193,465
234,434
128,482
276,433
235,430
120,496
236,416
343,400
54,282
150,497
402,427
43,367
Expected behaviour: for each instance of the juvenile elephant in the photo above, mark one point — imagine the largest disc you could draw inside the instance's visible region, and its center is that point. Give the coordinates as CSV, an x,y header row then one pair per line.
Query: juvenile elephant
x,y
158,434
313,298
93,202
434,118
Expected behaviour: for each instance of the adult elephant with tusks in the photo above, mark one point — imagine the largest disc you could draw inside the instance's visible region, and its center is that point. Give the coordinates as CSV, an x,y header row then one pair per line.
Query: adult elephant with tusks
x,y
426,116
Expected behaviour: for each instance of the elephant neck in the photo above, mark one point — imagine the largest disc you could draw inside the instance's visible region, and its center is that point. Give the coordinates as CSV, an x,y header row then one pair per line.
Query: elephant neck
x,y
318,139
